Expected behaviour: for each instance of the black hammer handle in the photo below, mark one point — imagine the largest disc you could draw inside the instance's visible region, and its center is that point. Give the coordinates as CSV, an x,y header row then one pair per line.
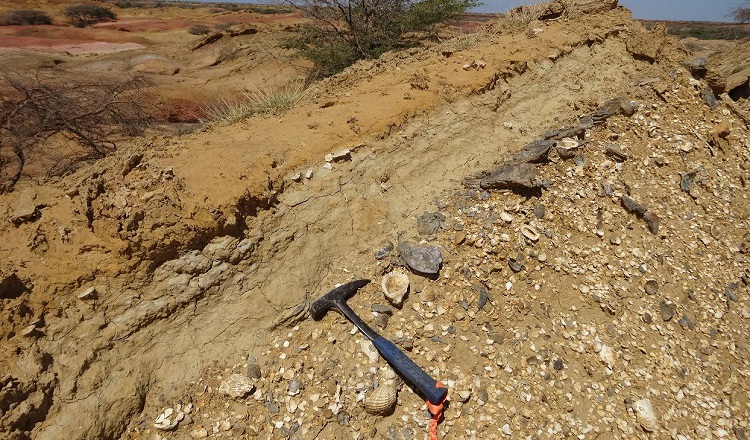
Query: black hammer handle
x,y
410,371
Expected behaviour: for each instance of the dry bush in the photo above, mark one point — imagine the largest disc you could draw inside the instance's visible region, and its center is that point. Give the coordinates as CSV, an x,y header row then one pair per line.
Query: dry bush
x,y
24,17
199,29
741,14
38,110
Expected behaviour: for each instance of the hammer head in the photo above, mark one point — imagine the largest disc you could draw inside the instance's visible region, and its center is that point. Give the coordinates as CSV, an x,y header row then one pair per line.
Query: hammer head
x,y
334,298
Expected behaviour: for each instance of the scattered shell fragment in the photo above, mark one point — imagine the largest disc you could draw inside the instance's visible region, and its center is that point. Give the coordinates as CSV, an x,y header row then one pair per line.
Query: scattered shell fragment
x,y
530,233
168,420
607,355
506,217
381,400
89,293
395,285
645,414
237,386
339,156
199,432
370,351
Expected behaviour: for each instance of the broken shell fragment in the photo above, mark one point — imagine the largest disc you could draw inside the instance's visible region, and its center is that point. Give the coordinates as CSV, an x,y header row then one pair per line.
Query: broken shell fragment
x,y
382,400
645,414
395,285
237,386
530,233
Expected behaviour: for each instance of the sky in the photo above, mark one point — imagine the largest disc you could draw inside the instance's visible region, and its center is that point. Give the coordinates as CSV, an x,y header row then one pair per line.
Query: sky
x,y
677,10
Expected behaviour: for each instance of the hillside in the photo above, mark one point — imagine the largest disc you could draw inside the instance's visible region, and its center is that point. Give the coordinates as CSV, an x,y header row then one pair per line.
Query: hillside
x,y
135,286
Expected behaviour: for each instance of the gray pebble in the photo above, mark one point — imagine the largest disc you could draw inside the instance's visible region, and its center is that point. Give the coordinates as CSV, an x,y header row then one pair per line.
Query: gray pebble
x,y
729,292
539,210
515,265
651,287
687,322
379,308
558,364
666,310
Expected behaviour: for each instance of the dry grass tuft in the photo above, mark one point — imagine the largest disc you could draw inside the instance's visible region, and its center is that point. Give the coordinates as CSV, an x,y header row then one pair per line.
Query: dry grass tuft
x,y
266,100
531,10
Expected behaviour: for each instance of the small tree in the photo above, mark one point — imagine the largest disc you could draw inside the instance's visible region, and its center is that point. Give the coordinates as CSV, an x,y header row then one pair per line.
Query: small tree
x,y
36,110
344,31
86,15
741,13
24,17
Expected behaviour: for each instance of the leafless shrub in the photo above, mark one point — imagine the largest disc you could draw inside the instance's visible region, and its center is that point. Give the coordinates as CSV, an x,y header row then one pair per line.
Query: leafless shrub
x,y
741,14
37,109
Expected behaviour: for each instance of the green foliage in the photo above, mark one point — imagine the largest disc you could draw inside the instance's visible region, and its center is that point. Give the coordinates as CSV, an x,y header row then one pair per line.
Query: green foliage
x,y
86,15
24,17
344,31
425,14
705,31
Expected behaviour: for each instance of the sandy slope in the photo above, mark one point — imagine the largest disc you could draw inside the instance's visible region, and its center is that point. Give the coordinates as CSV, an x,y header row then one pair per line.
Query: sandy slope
x,y
202,247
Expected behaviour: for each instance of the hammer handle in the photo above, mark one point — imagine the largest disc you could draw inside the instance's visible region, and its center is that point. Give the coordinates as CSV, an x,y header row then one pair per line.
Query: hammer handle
x,y
409,370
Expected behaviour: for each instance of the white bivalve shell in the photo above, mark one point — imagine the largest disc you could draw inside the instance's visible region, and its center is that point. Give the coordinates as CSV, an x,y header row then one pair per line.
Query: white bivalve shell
x,y
645,414
395,285
237,385
382,400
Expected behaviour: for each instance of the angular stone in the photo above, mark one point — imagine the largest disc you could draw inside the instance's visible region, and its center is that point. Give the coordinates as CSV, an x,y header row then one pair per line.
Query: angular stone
x,y
519,176
534,152
427,259
615,152
26,210
632,206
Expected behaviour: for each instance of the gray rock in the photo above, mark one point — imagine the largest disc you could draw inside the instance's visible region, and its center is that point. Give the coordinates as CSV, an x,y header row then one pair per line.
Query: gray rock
x,y
615,107
697,66
431,223
666,310
427,259
534,152
651,287
520,176
652,221
687,180
615,152
515,265
687,322
708,96
379,308
729,292
384,251
632,206
558,364
381,321
539,211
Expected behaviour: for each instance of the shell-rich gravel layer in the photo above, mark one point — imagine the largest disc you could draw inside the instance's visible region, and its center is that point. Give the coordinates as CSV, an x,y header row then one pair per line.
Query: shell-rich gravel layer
x,y
563,314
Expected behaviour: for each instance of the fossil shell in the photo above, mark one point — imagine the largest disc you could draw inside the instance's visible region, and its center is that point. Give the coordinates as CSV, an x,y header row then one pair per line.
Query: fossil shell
x,y
645,414
395,285
382,400
530,233
237,386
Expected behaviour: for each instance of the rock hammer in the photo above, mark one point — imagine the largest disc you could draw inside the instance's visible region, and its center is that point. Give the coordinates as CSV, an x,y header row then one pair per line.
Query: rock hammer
x,y
405,367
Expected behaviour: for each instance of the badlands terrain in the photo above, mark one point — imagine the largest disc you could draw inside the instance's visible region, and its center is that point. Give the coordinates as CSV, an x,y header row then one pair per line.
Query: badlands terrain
x,y
584,179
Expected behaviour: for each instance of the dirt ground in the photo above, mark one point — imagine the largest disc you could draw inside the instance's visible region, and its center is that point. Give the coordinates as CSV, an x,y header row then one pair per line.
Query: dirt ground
x,y
162,292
